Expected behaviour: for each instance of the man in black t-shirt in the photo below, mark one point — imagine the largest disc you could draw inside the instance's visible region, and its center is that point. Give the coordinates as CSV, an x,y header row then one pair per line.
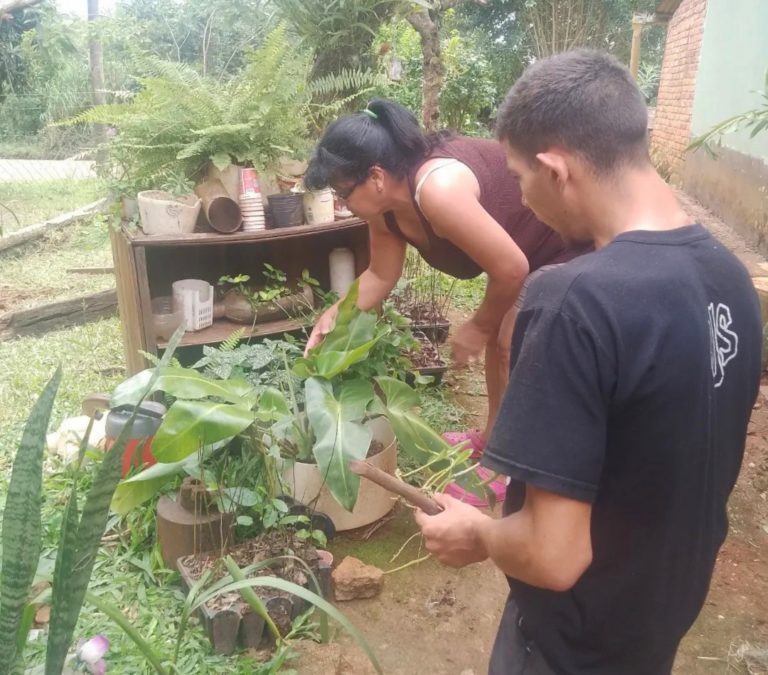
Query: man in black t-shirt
x,y
634,372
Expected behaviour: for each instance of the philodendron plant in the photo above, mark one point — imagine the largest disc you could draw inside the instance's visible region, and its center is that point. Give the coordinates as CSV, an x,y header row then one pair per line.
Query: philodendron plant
x,y
330,429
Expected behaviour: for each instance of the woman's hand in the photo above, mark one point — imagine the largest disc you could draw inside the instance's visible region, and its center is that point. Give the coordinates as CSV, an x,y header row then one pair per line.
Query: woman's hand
x,y
323,326
467,343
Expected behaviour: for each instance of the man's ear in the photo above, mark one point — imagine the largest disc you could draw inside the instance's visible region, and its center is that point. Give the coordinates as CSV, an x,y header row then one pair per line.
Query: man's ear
x,y
556,164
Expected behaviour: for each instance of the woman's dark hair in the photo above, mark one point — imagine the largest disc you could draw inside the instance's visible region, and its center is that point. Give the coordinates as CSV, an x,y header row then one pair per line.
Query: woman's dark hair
x,y
385,133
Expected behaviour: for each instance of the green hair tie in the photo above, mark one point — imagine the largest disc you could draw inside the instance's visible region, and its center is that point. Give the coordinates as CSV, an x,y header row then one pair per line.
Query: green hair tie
x,y
371,114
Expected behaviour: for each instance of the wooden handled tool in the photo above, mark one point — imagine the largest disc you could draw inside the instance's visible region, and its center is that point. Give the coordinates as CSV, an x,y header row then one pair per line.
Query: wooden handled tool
x,y
411,494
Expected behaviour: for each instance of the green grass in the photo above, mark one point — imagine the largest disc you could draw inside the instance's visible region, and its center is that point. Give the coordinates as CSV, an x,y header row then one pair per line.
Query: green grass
x,y
467,293
36,273
90,356
35,202
24,148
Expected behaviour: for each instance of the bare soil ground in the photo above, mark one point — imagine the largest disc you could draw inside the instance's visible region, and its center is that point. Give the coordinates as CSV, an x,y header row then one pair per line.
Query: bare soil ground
x,y
438,621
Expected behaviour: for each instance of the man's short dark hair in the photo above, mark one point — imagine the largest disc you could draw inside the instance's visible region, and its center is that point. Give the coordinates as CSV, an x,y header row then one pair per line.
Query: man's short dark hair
x,y
583,100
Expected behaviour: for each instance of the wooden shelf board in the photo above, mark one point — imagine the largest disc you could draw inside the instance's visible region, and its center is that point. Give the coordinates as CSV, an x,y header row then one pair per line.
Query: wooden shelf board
x,y
221,329
137,238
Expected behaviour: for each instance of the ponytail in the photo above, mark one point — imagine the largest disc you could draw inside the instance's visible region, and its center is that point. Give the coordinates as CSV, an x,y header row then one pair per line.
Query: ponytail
x,y
384,134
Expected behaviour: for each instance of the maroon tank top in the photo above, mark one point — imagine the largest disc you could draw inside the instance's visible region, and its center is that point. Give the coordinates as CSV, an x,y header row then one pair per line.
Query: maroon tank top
x,y
500,196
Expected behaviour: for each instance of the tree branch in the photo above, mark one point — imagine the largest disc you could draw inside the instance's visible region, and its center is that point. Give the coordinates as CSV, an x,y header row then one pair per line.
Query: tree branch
x,y
12,5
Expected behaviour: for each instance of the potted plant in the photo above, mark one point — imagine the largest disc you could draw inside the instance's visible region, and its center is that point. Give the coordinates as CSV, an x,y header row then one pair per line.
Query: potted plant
x,y
184,121
325,416
247,304
426,359
423,298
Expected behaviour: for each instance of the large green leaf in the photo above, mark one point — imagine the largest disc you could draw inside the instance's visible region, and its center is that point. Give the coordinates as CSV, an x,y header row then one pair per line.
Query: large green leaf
x,y
189,426
183,383
272,405
360,329
414,435
21,525
340,435
396,400
329,364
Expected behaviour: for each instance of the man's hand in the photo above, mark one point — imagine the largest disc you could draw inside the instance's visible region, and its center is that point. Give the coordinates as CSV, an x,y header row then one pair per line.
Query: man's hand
x,y
467,343
452,536
323,326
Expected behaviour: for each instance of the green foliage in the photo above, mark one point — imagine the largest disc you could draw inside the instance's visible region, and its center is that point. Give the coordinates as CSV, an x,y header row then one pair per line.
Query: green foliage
x,y
214,35
81,538
182,121
469,92
648,76
338,397
294,589
338,32
755,121
21,526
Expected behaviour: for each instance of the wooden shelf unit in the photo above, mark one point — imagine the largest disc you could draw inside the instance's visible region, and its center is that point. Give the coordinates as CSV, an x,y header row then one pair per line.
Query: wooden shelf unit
x,y
146,266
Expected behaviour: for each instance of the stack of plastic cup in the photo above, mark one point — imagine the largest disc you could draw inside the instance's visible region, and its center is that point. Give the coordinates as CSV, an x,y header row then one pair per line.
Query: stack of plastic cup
x,y
250,201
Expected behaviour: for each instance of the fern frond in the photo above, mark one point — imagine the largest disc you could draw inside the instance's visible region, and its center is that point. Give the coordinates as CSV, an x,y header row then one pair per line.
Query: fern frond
x,y
232,341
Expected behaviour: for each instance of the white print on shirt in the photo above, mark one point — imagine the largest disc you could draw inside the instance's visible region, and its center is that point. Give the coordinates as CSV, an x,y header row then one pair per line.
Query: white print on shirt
x,y
723,342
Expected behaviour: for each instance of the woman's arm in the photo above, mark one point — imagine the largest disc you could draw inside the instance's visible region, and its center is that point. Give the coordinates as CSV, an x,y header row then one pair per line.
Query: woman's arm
x,y
387,255
450,200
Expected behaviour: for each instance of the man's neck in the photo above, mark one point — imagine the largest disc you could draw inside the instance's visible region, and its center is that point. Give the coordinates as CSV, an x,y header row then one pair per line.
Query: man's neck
x,y
638,199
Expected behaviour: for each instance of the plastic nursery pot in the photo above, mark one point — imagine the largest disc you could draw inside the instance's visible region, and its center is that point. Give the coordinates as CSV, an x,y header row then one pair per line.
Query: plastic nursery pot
x,y
287,209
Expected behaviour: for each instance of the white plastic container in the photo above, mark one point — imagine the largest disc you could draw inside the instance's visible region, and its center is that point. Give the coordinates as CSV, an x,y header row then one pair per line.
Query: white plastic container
x,y
341,262
166,316
318,206
195,298
163,213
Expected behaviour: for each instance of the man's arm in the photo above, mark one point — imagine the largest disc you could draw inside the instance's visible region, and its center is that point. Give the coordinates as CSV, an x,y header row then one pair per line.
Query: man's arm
x,y
546,544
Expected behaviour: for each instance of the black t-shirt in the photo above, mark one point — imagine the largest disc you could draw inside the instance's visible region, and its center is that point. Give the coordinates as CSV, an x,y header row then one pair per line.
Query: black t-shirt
x,y
635,369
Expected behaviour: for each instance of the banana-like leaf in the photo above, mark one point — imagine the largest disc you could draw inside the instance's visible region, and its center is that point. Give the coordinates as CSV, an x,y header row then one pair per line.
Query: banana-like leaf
x,y
339,433
21,533
183,383
191,425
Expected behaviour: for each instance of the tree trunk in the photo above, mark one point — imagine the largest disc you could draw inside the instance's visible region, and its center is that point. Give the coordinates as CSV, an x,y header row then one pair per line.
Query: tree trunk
x,y
434,69
98,93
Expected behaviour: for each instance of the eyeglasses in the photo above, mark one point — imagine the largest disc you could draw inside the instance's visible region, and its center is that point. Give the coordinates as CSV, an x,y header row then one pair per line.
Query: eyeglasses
x,y
346,193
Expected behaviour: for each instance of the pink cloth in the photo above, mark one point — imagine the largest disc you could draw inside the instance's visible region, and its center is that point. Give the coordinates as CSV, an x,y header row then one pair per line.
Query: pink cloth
x,y
472,437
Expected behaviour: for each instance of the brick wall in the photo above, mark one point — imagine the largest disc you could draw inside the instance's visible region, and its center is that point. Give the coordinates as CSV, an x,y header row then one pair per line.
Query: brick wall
x,y
672,126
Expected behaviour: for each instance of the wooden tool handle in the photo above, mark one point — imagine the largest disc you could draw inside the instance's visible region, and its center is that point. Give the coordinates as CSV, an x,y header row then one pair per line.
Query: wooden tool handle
x,y
411,494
